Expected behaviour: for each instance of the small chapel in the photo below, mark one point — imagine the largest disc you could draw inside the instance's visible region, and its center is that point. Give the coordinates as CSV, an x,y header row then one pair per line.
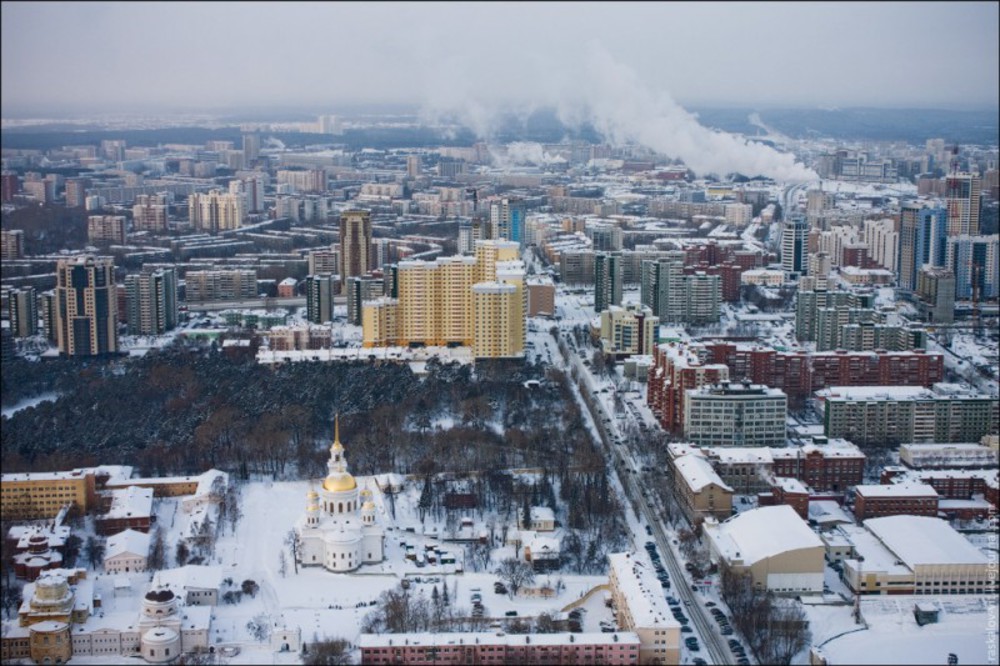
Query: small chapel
x,y
340,530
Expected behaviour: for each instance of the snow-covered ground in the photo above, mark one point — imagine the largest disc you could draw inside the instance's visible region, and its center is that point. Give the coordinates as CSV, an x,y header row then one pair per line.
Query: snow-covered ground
x,y
321,603
50,396
965,627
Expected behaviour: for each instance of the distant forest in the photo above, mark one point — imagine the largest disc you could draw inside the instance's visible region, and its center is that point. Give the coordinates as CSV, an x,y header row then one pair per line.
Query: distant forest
x,y
380,137
914,126
189,407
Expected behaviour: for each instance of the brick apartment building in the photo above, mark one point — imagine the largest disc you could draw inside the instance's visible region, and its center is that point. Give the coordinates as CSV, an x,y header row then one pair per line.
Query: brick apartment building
x,y
676,368
964,494
823,465
799,373
497,648
785,490
877,501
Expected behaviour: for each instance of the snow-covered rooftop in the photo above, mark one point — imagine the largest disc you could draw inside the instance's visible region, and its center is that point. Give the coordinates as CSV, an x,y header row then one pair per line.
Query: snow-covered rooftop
x,y
791,485
129,541
940,391
729,455
875,393
896,490
639,585
191,576
496,638
542,513
827,512
130,502
920,540
697,473
760,533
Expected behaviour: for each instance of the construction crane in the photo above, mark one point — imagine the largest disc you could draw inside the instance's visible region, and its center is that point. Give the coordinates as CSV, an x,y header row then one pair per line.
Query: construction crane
x,y
954,158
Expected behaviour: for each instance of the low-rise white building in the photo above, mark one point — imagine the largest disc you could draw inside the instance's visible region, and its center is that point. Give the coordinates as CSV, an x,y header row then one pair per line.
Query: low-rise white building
x,y
126,552
196,584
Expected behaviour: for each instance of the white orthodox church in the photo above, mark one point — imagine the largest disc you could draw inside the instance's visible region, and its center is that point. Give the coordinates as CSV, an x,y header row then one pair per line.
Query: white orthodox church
x,y
340,531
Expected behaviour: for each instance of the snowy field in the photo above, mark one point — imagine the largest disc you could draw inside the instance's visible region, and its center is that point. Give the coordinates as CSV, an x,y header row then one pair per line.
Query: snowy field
x,y
893,636
324,604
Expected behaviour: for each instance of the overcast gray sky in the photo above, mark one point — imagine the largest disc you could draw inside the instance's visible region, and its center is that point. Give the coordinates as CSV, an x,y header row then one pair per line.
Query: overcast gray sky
x,y
60,57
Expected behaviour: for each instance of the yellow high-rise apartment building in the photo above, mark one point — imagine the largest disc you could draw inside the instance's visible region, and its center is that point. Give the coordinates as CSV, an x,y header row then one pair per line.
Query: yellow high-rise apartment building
x,y
436,304
380,322
499,320
491,252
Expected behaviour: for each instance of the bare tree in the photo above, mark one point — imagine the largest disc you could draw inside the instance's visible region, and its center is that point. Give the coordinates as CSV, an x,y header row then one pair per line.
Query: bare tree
x,y
329,652
516,574
292,541
259,627
10,598
282,564
250,586
157,552
94,551
545,624
480,555
789,633
399,612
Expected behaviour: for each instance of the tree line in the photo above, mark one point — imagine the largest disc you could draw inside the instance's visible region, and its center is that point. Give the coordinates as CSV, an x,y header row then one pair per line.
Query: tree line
x,y
186,408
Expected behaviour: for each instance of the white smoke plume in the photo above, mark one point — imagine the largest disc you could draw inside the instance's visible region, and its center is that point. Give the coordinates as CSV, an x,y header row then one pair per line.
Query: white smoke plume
x,y
525,152
609,95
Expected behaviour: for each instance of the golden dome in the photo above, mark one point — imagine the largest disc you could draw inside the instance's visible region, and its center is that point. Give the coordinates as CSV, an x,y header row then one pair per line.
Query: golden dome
x,y
312,494
368,506
340,482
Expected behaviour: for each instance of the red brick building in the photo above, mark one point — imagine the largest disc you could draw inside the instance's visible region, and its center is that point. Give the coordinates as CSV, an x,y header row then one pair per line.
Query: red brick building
x,y
799,373
876,501
786,490
615,649
952,484
129,508
822,468
729,274
830,466
676,368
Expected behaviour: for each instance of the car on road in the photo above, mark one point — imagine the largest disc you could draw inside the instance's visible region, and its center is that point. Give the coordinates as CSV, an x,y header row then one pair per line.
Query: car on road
x,y
686,630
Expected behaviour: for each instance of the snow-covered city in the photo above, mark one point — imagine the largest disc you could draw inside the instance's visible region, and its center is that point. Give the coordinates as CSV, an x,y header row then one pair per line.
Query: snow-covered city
x,y
400,351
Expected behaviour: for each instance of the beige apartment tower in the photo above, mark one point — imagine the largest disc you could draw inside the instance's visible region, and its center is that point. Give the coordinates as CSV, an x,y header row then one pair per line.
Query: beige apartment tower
x,y
86,306
499,322
355,244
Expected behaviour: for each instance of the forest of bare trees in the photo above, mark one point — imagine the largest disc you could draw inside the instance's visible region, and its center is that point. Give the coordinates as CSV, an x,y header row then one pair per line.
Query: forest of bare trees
x,y
187,408
776,629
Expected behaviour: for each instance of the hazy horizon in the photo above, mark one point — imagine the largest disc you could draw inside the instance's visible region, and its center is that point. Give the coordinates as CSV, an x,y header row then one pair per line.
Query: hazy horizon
x,y
64,59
